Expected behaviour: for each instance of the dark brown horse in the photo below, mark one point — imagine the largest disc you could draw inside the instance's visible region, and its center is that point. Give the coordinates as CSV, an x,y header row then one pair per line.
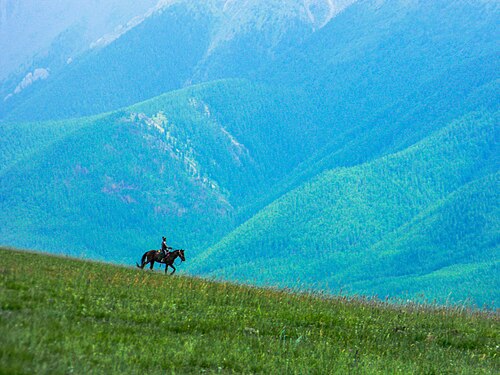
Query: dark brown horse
x,y
153,256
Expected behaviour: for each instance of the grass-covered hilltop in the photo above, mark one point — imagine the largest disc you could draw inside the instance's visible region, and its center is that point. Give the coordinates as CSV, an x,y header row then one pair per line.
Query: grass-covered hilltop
x,y
61,315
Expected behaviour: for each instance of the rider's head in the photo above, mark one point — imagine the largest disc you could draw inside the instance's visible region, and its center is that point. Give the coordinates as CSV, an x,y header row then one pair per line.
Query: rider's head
x,y
164,238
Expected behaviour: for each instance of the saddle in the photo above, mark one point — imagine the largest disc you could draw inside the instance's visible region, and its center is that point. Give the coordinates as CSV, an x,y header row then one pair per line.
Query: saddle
x,y
159,252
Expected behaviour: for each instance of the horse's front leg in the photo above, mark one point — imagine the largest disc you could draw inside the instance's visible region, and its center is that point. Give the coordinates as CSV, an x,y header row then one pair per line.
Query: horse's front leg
x,y
173,268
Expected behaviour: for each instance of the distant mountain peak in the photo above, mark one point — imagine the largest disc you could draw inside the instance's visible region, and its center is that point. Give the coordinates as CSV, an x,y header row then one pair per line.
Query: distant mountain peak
x,y
274,17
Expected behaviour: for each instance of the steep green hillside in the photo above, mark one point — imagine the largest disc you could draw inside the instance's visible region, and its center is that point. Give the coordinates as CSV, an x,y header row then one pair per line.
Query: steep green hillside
x,y
405,215
449,252
188,163
65,316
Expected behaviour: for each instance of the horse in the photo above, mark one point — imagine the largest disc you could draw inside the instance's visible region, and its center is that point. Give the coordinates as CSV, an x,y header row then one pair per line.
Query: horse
x,y
153,256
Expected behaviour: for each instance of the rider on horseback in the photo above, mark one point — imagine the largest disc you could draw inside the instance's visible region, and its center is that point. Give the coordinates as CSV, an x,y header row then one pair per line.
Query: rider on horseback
x,y
165,250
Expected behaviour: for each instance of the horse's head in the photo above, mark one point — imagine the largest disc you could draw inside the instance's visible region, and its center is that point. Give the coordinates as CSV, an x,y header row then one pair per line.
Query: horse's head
x,y
181,254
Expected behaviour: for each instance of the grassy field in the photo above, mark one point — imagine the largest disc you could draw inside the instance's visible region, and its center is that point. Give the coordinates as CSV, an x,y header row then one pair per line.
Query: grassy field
x,y
60,316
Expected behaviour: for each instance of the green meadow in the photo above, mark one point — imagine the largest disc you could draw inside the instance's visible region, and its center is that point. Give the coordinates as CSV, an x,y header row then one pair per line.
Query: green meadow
x,y
61,315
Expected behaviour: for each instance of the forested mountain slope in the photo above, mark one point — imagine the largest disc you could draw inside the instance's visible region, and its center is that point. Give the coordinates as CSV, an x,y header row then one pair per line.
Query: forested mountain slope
x,y
190,162
396,47
402,215
46,40
154,57
184,42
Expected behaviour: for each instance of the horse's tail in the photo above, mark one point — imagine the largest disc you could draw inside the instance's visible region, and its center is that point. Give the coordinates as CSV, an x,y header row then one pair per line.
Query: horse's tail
x,y
142,261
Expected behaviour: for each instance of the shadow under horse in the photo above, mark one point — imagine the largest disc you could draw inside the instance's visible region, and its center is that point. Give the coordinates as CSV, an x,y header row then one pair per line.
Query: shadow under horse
x,y
153,256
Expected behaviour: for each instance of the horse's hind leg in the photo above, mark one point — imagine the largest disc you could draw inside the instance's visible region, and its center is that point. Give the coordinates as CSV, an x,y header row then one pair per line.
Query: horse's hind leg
x,y
151,264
